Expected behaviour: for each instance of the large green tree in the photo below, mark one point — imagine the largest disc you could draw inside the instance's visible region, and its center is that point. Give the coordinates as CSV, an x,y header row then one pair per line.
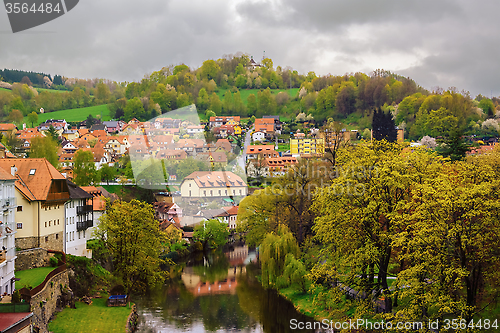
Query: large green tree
x,y
360,212
450,242
84,170
132,236
45,147
134,109
107,173
209,69
33,118
212,234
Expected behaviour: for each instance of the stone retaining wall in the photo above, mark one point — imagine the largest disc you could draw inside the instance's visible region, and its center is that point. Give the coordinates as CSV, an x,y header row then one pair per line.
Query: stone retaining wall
x,y
52,242
32,258
133,320
50,299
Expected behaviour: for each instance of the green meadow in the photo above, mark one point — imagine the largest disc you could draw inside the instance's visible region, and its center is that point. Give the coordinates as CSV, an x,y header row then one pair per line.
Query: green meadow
x,y
51,90
246,92
74,114
96,317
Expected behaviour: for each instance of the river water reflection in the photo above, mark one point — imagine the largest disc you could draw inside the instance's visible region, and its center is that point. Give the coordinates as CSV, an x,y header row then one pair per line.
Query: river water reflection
x,y
217,294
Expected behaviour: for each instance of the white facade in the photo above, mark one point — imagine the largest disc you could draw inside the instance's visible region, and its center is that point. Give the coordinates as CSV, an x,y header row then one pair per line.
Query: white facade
x,y
77,227
195,129
96,222
258,136
7,236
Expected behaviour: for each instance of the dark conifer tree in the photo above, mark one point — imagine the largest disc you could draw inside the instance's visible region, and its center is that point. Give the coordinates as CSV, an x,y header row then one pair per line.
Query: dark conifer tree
x,y
454,145
383,126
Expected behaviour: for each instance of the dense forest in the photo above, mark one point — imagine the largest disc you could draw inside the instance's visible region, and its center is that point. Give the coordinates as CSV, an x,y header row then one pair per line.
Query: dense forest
x,y
232,86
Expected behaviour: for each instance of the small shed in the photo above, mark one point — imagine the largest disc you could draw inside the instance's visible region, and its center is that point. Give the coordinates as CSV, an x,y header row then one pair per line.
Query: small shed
x,y
117,300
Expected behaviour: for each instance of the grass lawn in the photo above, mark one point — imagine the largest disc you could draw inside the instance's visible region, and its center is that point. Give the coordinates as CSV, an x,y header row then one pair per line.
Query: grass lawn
x,y
283,147
96,317
73,114
116,188
51,90
32,277
3,89
246,92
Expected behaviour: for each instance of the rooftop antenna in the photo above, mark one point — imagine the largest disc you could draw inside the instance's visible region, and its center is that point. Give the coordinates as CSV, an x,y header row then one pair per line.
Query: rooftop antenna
x,y
264,56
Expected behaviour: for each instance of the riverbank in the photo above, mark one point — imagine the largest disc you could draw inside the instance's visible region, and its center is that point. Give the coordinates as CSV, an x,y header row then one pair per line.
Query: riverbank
x,y
96,317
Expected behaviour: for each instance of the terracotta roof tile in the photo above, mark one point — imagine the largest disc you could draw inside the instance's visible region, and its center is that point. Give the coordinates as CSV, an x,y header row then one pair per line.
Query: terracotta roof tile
x,y
34,176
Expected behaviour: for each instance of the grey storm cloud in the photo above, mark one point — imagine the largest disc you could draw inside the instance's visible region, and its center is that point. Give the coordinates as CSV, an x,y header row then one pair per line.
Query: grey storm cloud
x,y
437,43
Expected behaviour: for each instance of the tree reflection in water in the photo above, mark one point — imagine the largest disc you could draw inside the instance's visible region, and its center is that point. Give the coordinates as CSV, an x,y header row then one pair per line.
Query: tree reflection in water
x,y
215,294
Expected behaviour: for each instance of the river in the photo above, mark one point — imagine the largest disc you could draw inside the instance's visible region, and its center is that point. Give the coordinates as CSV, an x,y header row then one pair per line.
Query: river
x,y
218,293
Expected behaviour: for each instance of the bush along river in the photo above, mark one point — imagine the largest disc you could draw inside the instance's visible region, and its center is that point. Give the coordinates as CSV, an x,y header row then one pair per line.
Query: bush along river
x,y
218,293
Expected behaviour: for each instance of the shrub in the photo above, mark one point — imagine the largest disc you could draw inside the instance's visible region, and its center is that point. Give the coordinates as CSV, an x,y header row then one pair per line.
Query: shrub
x,y
53,261
16,297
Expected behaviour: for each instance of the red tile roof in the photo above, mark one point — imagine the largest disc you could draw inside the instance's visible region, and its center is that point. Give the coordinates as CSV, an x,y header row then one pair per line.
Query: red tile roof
x,y
34,176
216,179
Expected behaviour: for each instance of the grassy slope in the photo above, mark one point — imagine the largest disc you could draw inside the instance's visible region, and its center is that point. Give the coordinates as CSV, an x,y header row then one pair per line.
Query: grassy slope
x,y
73,114
51,90
246,92
96,317
3,89
32,277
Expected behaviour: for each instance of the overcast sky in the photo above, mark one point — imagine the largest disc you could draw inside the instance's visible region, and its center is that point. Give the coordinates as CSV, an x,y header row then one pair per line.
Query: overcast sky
x,y
437,43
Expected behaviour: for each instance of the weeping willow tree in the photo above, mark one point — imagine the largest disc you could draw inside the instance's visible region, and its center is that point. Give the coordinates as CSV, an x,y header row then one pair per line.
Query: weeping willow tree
x,y
274,252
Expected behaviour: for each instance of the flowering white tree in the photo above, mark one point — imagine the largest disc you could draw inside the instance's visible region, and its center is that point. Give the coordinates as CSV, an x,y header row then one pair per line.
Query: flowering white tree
x,y
429,142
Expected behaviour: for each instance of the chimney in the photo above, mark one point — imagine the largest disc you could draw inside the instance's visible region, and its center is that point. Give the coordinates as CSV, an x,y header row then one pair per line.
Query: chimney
x,y
13,170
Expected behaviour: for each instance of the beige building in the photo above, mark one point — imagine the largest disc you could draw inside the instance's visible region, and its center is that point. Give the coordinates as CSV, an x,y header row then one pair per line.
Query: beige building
x,y
215,184
41,192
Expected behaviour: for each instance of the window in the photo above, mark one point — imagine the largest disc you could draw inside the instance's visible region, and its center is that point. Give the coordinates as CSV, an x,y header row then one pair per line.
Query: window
x,y
45,224
32,172
50,222
57,221
67,240
46,239
19,226
19,208
57,236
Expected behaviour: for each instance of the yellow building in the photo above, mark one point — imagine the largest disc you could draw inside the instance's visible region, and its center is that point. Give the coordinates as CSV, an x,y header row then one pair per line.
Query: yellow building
x,y
41,192
232,121
305,146
237,130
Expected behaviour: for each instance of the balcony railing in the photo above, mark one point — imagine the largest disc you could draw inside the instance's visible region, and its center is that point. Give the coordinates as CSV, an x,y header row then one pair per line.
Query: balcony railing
x,y
85,209
83,225
7,202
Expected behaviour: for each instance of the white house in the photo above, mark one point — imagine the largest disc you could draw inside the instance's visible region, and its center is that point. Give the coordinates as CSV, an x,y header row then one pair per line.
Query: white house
x,y
7,232
227,215
195,129
258,136
98,205
215,184
78,219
